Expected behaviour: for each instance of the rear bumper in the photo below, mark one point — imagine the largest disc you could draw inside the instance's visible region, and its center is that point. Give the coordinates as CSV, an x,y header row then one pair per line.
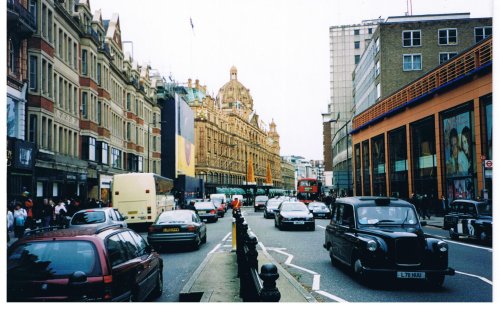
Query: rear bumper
x,y
171,238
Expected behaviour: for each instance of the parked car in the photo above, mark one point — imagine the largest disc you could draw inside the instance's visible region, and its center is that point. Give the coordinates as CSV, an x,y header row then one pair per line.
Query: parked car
x,y
471,219
319,209
271,207
207,211
97,216
106,263
383,236
179,226
260,202
293,214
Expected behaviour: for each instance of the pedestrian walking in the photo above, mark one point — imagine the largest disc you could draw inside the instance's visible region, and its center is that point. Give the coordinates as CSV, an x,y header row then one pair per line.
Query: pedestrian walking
x,y
10,223
20,216
47,213
60,211
424,204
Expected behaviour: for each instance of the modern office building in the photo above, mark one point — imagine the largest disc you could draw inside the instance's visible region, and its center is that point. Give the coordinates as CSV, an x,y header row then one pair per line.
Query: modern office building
x,y
431,137
347,43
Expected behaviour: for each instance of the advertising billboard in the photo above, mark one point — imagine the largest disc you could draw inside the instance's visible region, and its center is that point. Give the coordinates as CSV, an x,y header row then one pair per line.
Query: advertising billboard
x,y
185,149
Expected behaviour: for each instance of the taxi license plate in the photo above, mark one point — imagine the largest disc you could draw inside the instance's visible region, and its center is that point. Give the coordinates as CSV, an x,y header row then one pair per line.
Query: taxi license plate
x,y
298,223
170,230
411,275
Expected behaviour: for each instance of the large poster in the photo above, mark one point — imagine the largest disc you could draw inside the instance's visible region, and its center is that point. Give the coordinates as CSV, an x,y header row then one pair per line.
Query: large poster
x,y
458,145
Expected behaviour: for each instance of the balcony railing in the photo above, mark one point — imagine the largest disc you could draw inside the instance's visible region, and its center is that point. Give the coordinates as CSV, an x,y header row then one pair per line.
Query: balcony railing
x,y
459,67
16,11
89,31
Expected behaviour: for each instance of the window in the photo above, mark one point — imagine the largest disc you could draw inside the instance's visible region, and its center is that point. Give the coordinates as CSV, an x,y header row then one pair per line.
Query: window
x,y
84,104
482,32
378,91
377,44
84,62
12,56
141,164
411,38
356,32
33,73
356,45
116,251
448,36
33,129
370,31
115,158
33,9
99,113
99,74
91,149
412,62
377,68
356,59
445,56
104,153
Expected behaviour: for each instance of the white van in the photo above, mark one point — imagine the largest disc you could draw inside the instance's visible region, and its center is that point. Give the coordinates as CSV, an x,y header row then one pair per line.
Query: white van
x,y
218,199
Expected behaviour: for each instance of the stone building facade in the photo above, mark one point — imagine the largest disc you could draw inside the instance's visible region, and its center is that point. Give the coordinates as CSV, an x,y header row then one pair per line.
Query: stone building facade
x,y
91,109
229,136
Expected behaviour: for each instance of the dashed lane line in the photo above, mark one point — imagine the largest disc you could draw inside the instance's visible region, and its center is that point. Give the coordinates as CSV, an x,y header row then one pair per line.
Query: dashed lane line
x,y
215,249
227,236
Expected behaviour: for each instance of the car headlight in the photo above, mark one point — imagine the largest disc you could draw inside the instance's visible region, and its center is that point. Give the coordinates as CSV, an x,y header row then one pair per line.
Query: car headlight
x,y
442,246
371,245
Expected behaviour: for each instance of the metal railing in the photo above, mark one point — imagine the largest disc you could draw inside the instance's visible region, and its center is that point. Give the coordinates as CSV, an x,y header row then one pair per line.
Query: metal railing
x,y
254,287
460,66
24,14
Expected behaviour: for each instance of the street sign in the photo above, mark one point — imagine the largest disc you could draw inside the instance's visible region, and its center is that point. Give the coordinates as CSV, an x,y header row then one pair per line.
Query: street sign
x,y
488,164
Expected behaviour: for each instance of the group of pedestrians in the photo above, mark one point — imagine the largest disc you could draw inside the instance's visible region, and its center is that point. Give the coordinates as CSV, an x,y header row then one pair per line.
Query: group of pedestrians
x,y
421,203
24,213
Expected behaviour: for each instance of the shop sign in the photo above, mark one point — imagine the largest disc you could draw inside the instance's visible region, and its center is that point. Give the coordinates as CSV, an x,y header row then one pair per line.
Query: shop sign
x,y
24,155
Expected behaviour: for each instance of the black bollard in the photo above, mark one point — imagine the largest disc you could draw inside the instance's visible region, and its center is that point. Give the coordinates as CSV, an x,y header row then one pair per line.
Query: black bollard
x,y
251,255
269,275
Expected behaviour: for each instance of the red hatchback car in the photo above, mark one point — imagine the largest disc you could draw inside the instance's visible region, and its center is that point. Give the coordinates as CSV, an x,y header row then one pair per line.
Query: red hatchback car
x,y
109,263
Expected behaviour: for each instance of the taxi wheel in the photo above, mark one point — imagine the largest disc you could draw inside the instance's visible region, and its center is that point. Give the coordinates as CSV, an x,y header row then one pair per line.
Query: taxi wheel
x,y
332,258
436,280
452,233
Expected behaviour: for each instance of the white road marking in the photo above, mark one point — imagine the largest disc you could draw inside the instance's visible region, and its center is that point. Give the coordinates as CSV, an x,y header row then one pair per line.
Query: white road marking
x,y
329,295
225,238
215,249
316,277
321,226
476,276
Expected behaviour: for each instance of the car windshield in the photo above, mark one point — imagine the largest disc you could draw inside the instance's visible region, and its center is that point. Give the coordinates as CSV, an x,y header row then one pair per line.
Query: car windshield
x,y
88,217
174,217
294,207
51,259
261,198
484,209
204,205
273,203
386,214
217,201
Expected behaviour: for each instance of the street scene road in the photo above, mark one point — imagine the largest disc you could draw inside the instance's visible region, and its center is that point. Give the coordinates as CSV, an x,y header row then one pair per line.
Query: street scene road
x,y
302,254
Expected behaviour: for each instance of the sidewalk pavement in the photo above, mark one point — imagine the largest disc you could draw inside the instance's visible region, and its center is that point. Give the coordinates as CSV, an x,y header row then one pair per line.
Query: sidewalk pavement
x,y
434,221
216,279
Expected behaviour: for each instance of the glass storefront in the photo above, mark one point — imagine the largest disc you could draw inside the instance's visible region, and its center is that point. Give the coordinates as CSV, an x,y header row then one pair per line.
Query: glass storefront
x,y
398,163
458,151
487,139
357,166
423,147
378,166
366,168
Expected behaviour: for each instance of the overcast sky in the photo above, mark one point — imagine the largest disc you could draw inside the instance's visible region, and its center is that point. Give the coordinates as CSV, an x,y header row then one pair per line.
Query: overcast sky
x,y
280,47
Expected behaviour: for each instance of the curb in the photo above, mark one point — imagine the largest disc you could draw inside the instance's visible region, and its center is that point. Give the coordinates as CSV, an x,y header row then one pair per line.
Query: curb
x,y
306,294
185,295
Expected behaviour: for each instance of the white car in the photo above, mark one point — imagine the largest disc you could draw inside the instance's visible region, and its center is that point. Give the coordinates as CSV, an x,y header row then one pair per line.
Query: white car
x,y
97,217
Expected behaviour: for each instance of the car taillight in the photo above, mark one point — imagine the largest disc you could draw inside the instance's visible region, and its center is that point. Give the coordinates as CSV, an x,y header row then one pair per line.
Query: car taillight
x,y
108,280
191,228
152,229
212,211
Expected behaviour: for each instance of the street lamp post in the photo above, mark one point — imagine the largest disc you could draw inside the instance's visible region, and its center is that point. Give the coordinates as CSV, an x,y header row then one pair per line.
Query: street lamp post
x,y
149,138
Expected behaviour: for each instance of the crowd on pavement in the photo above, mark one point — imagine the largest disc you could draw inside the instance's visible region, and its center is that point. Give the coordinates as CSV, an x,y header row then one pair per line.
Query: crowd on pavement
x,y
24,213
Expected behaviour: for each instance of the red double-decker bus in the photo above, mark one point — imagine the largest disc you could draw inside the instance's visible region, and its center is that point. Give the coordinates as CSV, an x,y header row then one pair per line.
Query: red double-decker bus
x,y
308,190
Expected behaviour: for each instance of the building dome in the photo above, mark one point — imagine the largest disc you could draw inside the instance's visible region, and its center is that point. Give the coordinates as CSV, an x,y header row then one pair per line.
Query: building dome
x,y
233,94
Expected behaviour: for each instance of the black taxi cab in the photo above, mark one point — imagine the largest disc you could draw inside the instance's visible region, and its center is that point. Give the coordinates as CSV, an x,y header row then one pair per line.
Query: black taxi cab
x,y
469,218
383,236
